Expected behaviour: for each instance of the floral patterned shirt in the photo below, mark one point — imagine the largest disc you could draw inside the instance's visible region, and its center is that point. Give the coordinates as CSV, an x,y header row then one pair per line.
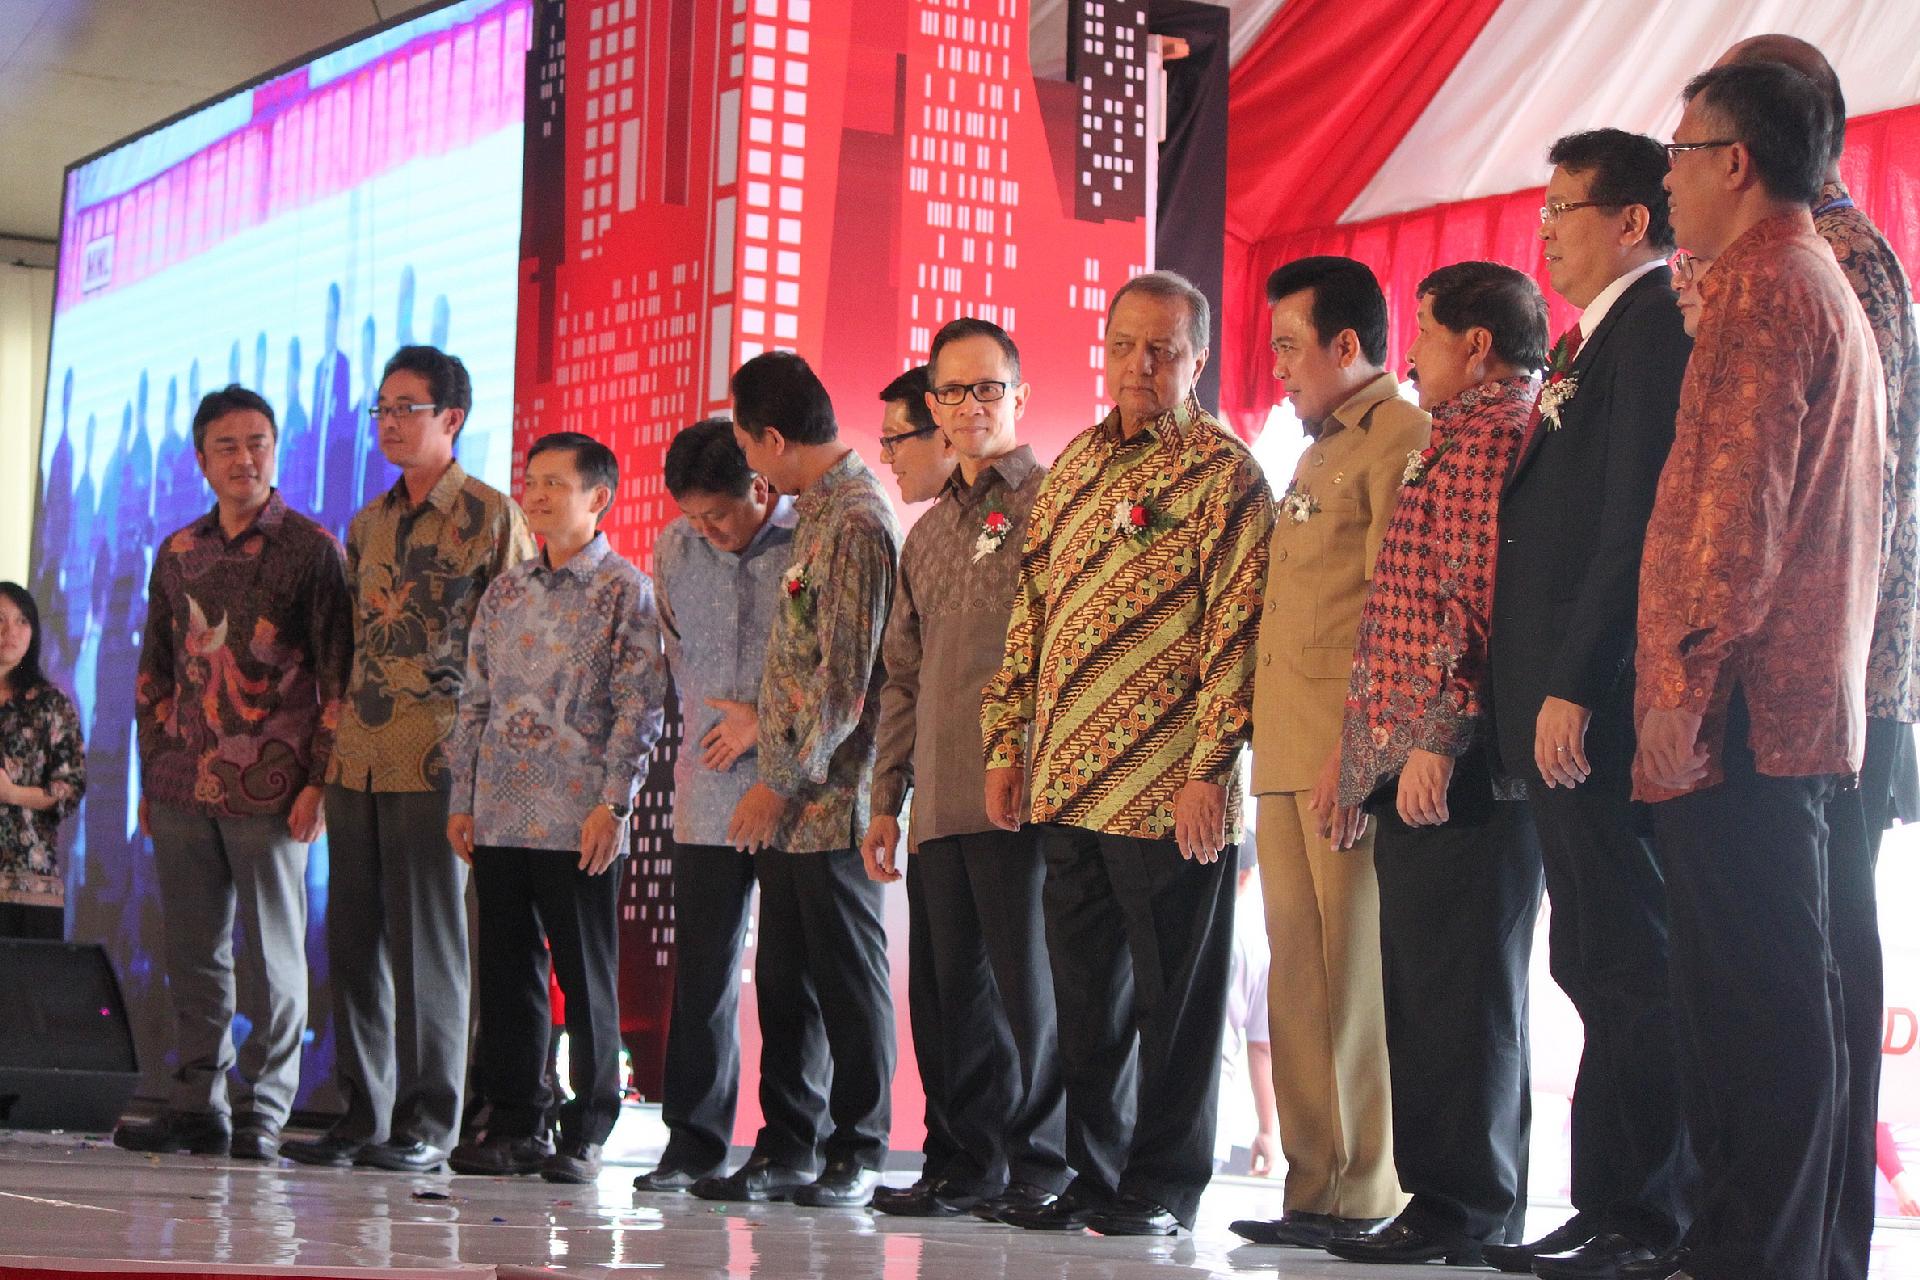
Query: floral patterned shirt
x,y
39,747
1763,552
1130,651
1893,679
417,574
1420,660
820,692
245,659
562,701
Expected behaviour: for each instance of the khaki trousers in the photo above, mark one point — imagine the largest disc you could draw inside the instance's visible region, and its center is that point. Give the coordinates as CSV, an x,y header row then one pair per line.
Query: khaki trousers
x,y
1327,1016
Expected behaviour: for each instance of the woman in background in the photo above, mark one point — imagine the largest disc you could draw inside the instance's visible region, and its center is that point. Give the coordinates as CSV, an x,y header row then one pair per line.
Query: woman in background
x,y
43,771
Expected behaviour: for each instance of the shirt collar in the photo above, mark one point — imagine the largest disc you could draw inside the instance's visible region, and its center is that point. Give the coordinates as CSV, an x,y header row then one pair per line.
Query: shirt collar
x,y
1013,468
1596,311
1757,242
1450,413
1832,195
1173,426
440,497
836,475
583,563
267,519
1357,411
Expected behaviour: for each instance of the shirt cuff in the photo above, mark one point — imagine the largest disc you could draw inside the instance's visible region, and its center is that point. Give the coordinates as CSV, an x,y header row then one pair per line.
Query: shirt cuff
x,y
1007,750
887,798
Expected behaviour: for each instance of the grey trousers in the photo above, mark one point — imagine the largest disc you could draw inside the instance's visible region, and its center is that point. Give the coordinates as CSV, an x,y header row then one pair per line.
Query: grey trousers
x,y
208,867
397,940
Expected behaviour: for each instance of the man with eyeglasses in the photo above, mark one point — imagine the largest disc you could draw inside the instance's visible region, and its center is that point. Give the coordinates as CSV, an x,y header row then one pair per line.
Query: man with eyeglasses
x,y
1126,694
1573,515
1758,591
248,640
979,990
419,557
911,443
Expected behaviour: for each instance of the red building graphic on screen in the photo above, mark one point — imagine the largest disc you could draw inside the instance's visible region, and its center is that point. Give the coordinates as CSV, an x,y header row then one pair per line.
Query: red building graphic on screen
x,y
710,179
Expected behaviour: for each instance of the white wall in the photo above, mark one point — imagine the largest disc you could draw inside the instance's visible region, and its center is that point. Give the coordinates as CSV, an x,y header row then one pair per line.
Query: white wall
x,y
26,316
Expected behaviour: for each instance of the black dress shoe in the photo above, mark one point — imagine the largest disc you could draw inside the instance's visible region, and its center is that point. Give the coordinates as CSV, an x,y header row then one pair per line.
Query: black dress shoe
x,y
1304,1230
1134,1216
1062,1213
398,1155
1518,1258
1598,1259
758,1181
200,1133
500,1157
844,1184
1018,1195
1402,1242
669,1179
1670,1265
328,1151
574,1164
255,1138
937,1199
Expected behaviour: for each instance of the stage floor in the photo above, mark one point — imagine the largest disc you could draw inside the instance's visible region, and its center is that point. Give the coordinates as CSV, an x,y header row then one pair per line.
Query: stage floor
x,y
82,1207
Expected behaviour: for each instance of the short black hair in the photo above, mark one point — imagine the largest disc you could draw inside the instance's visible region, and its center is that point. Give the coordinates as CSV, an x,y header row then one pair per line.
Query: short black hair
x,y
232,398
705,458
780,389
1779,115
27,675
911,389
593,462
1346,295
974,327
1623,169
446,377
1806,58
1497,298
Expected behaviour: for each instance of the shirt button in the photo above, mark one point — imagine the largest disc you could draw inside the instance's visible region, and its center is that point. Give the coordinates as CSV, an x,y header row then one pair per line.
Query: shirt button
x,y
1281,554
1266,660
1319,459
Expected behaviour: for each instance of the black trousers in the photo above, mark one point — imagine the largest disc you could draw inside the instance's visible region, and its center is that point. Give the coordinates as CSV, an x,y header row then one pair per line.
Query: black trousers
x,y
1756,1000
1856,823
712,895
1458,904
1607,943
532,900
1141,941
988,1045
826,1012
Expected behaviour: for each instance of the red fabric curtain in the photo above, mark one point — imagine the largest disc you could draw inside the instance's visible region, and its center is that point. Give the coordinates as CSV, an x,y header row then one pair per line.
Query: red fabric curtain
x,y
1881,167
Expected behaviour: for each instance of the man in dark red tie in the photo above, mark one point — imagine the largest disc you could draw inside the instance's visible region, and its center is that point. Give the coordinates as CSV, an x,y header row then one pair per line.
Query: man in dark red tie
x,y
1572,520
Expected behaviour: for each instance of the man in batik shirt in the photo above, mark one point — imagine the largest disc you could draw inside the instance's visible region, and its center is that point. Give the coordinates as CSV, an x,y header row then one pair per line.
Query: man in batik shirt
x,y
1459,870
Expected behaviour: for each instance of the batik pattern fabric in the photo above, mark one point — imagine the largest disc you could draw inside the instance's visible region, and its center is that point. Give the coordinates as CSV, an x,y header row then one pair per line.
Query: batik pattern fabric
x,y
40,747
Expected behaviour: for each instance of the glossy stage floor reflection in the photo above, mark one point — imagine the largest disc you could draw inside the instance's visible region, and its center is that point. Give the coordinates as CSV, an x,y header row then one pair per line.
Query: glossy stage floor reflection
x,y
84,1207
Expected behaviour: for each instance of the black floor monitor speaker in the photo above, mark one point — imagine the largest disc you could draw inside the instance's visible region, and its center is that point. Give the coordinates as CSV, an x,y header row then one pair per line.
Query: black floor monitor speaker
x,y
66,1054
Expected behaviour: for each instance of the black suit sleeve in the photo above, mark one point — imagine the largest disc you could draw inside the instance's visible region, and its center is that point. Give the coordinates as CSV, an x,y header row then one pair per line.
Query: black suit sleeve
x,y
1646,360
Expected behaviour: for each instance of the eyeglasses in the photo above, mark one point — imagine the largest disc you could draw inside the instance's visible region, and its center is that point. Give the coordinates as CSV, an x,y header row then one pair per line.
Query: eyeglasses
x,y
1688,268
1553,209
1675,148
400,409
956,392
889,443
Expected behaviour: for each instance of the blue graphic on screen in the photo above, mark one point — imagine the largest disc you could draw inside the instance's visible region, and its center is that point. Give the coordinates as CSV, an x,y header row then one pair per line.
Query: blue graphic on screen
x,y
288,238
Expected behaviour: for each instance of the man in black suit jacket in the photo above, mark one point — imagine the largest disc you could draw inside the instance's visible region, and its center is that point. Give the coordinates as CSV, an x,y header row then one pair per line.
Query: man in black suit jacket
x,y
1572,520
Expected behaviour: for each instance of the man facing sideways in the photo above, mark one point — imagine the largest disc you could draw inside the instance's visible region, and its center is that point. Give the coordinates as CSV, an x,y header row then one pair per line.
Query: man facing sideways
x,y
1329,342
1126,692
988,1048
248,639
418,559
1572,519
822,962
1859,816
1757,596
717,572
1458,868
912,444
562,704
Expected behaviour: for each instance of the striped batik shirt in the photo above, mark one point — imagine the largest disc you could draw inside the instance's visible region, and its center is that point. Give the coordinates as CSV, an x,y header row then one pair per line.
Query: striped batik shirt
x,y
1130,651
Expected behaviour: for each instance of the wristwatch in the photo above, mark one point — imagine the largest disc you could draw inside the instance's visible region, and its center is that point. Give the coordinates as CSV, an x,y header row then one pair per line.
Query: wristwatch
x,y
620,812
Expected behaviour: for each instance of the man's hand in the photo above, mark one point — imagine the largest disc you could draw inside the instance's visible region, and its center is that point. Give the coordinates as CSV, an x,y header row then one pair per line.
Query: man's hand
x,y
9,794
1422,798
1560,743
1670,754
1265,1156
600,840
877,850
308,820
1339,825
733,737
756,819
1200,820
460,836
1006,796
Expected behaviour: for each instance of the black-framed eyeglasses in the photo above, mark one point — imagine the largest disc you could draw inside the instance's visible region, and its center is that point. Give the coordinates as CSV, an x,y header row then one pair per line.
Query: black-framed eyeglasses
x,y
957,392
889,443
1675,148
1552,210
400,409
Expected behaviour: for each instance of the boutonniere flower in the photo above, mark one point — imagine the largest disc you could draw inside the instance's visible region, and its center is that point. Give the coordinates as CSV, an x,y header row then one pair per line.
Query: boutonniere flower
x,y
1297,505
995,526
1420,461
1138,520
797,586
1553,399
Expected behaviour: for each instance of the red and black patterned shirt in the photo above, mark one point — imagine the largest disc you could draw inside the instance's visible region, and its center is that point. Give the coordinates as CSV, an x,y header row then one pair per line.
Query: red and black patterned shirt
x,y
1420,660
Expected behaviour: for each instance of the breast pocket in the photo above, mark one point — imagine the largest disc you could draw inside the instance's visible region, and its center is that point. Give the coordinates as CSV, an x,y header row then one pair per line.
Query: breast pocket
x,y
1326,661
